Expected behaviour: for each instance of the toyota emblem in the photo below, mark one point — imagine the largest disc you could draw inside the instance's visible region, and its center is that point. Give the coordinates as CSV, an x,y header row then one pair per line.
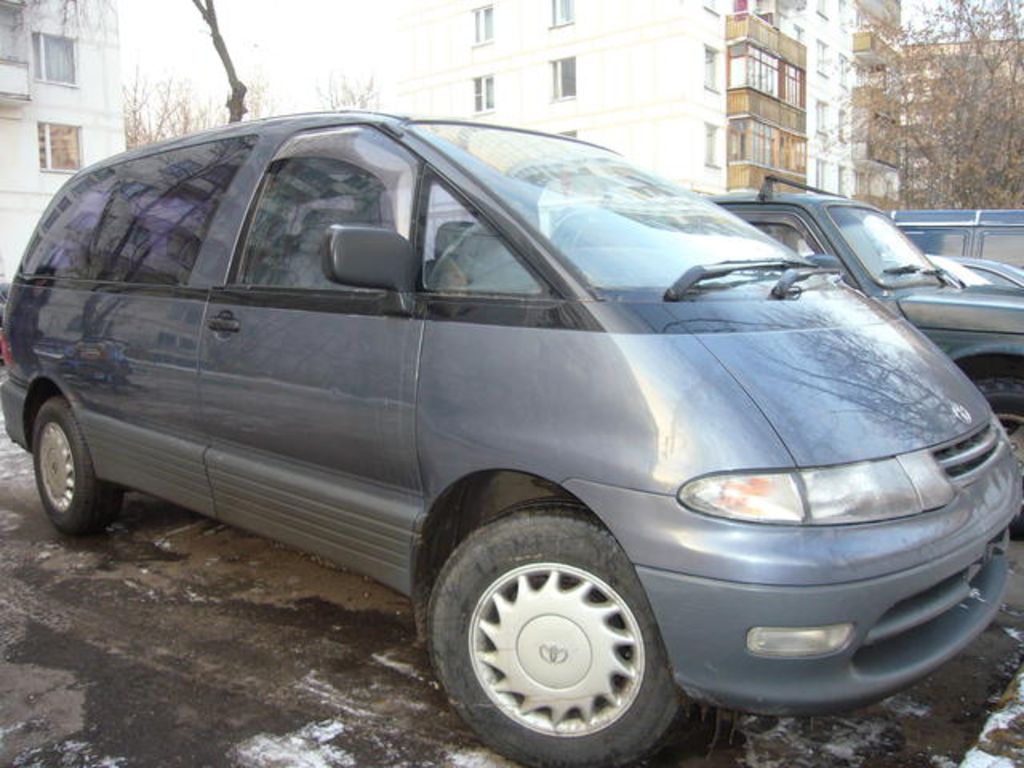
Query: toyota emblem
x,y
962,413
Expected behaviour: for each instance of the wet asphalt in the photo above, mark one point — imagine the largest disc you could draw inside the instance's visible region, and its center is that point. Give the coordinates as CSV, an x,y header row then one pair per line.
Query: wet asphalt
x,y
173,640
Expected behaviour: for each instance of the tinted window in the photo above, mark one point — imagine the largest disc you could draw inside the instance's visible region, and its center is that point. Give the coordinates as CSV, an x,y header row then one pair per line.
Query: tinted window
x,y
938,242
1003,246
142,221
881,248
461,254
161,209
61,245
348,176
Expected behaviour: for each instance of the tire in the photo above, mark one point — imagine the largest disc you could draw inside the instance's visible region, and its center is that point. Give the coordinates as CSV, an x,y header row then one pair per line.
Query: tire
x,y
1006,396
523,551
75,500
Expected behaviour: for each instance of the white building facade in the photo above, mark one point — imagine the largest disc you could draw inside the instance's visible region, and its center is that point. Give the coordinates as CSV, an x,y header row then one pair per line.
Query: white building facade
x,y
715,94
60,108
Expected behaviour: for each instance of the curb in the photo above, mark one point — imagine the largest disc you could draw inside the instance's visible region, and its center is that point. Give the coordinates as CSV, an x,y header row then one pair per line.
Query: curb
x,y
1001,742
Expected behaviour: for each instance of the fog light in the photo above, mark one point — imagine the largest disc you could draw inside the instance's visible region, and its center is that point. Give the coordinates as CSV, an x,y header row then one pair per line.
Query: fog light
x,y
798,641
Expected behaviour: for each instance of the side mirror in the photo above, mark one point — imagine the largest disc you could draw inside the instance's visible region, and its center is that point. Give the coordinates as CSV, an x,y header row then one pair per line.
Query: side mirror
x,y
826,261
369,257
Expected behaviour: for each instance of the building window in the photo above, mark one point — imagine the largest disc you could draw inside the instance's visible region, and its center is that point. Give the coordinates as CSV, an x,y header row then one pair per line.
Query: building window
x,y
483,25
10,34
483,93
822,59
710,69
841,180
793,82
562,12
55,58
819,174
841,124
710,145
59,147
798,33
751,141
823,8
751,67
564,75
821,117
844,70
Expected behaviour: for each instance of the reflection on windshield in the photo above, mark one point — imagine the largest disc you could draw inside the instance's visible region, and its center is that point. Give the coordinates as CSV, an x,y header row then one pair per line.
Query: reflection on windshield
x,y
621,227
884,251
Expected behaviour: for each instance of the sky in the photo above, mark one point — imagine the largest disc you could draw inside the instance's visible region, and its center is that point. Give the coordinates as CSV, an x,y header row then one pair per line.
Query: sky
x,y
292,44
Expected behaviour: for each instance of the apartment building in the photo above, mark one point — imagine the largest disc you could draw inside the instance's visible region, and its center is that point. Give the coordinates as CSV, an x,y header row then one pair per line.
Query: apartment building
x,y
60,107
715,94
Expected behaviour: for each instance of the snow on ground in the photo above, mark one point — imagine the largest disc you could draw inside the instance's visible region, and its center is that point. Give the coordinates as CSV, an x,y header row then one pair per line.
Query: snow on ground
x,y
308,747
1001,744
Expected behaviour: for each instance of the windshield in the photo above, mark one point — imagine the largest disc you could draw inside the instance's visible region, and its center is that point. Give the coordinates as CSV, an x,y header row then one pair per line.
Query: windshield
x,y
886,253
619,226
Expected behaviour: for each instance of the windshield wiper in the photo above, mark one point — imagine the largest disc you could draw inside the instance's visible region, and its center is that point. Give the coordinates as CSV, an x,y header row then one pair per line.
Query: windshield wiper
x,y
785,287
700,272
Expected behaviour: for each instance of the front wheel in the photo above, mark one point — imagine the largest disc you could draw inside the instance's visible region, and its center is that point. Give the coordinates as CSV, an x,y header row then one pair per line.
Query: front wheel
x,y
547,647
1006,396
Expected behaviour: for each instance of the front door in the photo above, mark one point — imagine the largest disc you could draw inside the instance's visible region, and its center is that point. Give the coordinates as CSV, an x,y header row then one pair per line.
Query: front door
x,y
307,387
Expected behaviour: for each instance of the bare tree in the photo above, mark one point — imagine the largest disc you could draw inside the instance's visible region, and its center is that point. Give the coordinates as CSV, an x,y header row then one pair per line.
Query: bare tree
x,y
341,92
154,111
236,96
950,106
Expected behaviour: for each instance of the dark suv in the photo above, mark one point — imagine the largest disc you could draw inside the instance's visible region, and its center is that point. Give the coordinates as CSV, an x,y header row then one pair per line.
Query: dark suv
x,y
992,235
981,328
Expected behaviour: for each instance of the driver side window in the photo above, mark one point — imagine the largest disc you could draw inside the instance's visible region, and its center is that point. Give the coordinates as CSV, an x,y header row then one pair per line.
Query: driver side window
x,y
462,254
347,176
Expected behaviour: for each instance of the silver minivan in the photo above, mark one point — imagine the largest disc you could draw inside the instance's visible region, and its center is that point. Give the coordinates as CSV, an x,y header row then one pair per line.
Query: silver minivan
x,y
618,447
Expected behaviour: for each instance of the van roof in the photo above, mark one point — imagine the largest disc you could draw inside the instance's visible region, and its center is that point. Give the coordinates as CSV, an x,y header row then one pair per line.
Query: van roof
x,y
962,217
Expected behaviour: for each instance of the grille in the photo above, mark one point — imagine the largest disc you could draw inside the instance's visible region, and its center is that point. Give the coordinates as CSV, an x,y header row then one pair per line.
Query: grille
x,y
962,461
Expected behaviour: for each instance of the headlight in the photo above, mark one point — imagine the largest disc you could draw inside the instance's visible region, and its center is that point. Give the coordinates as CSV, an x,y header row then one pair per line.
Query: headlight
x,y
852,493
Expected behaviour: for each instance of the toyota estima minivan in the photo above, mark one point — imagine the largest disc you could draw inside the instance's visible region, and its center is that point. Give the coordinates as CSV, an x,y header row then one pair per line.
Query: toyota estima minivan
x,y
618,447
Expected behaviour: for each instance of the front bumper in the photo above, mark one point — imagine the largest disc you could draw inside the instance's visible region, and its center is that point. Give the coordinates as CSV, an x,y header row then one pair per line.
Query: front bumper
x,y
905,625
918,589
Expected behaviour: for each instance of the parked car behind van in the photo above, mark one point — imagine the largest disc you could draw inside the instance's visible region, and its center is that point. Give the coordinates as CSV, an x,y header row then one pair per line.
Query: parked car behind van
x,y
994,235
615,444
981,327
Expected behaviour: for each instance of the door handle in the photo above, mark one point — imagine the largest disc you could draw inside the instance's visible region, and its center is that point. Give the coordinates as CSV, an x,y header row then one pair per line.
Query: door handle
x,y
224,322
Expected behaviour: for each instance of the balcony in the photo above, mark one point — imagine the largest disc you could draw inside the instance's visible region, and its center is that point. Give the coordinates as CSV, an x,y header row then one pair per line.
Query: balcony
x,y
750,176
883,11
764,35
870,50
742,102
876,151
14,82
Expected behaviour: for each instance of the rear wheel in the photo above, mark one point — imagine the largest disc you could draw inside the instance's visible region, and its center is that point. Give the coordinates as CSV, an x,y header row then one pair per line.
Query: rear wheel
x,y
1006,396
75,500
544,640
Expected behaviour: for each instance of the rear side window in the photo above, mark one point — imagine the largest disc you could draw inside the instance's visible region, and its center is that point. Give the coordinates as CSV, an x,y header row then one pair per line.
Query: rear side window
x,y
938,242
62,243
161,209
140,222
1007,247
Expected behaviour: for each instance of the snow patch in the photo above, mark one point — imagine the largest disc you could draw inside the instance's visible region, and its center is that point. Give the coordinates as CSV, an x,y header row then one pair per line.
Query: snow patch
x,y
476,759
388,660
800,742
72,753
326,693
941,761
308,747
9,521
903,705
1003,733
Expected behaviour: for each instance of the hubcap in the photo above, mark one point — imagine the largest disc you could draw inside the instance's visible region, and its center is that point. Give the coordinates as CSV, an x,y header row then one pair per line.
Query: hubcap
x,y
556,649
57,466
